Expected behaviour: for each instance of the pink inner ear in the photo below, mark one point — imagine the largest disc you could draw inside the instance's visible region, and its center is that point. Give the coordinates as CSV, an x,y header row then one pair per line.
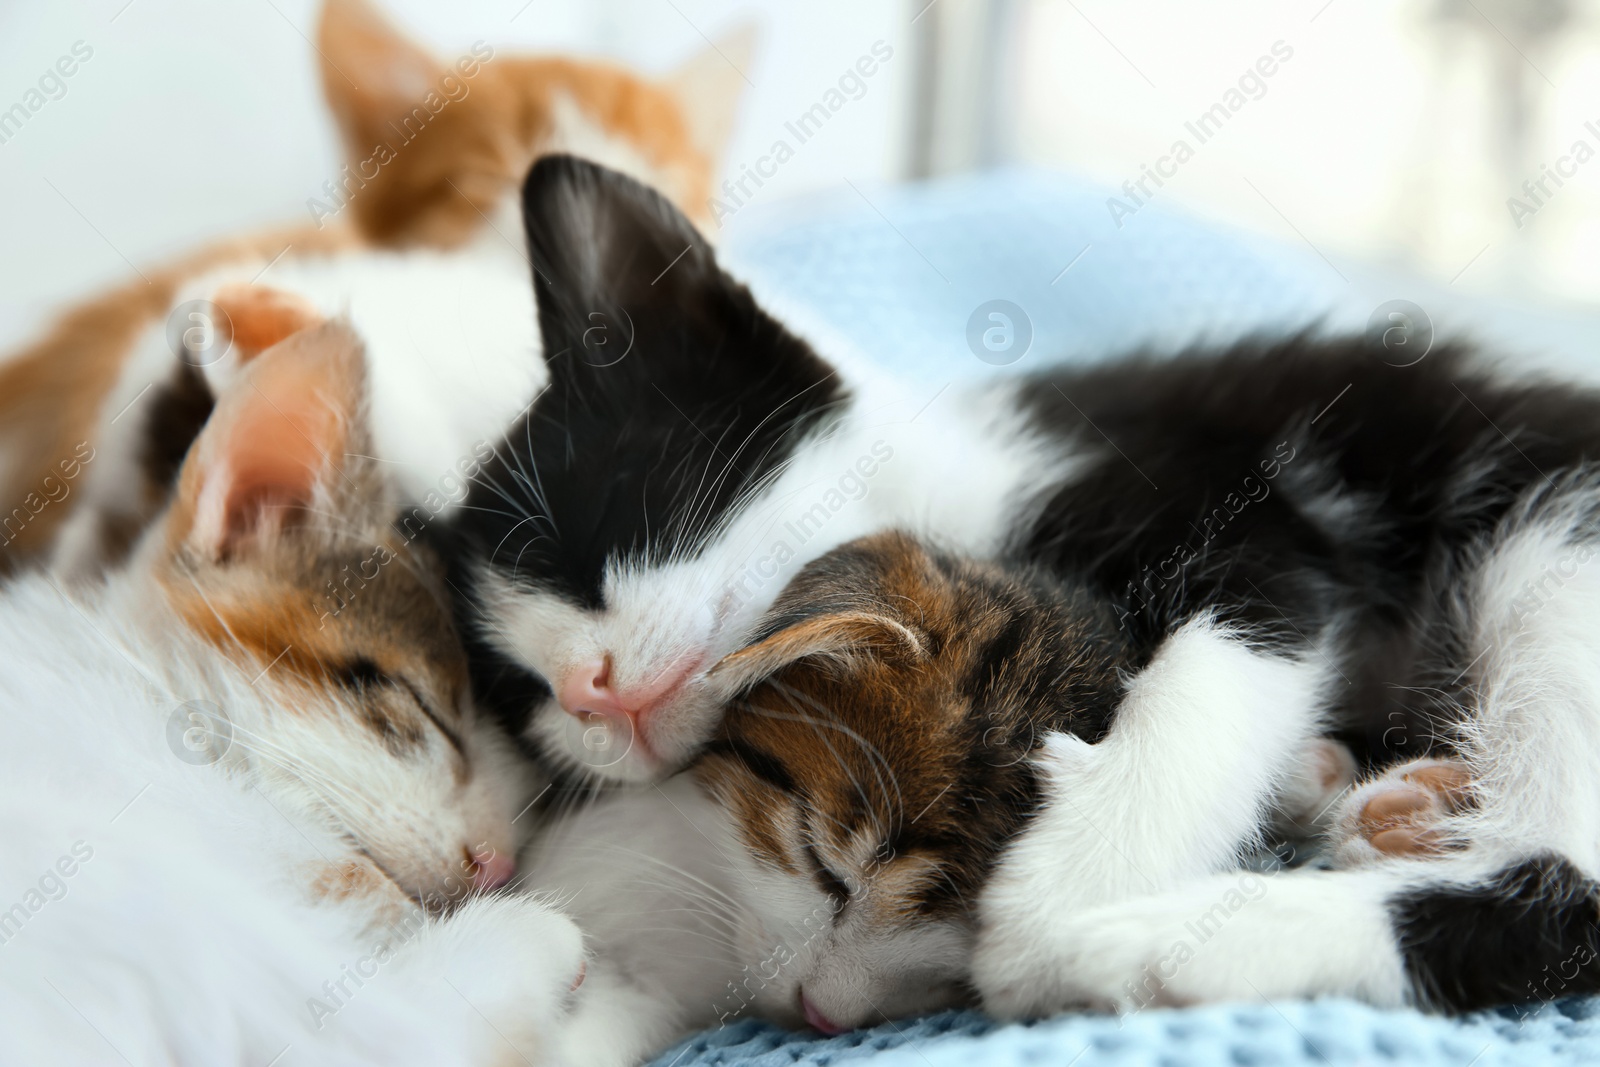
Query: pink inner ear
x,y
283,437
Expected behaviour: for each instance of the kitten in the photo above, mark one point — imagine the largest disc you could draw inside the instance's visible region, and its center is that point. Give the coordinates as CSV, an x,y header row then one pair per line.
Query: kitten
x,y
235,827
1409,573
823,861
884,754
448,181
689,456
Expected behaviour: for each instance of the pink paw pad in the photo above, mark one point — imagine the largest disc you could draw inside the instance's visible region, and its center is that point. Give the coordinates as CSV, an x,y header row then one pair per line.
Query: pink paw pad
x,y
1403,808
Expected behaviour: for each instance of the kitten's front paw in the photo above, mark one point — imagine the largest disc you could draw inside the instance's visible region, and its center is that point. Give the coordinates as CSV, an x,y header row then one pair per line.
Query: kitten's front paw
x,y
1101,960
1199,943
508,961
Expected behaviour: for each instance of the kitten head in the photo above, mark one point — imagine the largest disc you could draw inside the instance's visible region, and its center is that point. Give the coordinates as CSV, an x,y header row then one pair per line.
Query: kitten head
x,y
435,149
877,763
337,681
603,543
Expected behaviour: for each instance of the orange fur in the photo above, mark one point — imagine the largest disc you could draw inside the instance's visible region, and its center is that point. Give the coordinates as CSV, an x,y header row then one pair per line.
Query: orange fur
x,y
258,317
51,392
299,404
438,191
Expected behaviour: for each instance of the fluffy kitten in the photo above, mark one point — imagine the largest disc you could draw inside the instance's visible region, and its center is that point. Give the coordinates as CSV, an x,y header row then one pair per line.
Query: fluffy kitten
x,y
447,180
1288,536
689,456
237,830
1409,571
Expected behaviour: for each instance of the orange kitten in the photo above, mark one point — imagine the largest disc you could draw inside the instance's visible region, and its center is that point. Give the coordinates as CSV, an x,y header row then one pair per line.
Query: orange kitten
x,y
444,176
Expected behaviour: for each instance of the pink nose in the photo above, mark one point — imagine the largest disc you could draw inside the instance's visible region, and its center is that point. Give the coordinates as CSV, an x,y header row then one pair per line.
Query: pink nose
x,y
492,870
818,1021
587,689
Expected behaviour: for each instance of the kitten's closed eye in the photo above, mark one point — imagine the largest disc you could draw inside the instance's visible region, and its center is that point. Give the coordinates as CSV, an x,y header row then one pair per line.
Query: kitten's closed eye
x,y
374,737
876,763
365,678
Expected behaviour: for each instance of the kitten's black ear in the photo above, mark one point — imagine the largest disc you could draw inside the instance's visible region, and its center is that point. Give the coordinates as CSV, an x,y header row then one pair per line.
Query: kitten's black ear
x,y
837,637
624,281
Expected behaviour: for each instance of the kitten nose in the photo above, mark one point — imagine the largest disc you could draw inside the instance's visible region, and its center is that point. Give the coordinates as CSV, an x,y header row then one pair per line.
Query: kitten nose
x,y
492,870
818,1021
587,689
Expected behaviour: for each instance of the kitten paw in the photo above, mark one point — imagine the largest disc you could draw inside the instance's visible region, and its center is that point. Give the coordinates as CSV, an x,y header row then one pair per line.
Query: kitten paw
x,y
508,964
1401,812
1309,801
1158,951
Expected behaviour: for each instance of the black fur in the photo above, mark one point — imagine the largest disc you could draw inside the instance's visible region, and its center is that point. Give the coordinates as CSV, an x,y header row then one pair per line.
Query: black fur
x,y
178,411
1527,935
1428,460
671,396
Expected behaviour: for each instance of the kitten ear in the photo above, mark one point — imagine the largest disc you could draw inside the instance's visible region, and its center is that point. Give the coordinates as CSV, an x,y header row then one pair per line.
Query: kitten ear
x,y
839,637
371,74
603,242
710,87
630,293
275,446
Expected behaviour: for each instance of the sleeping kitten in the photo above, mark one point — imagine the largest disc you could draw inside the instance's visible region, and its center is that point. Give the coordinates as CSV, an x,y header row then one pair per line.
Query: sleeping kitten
x,y
886,750
1414,563
688,457
445,180
823,862
235,827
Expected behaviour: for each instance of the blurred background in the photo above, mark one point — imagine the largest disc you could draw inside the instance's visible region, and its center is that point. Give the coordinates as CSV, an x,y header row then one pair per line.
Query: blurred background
x,y
1452,141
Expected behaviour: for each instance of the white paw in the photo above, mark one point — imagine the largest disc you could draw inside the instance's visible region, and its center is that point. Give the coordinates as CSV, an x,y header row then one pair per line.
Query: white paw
x,y
512,960
1121,957
1102,960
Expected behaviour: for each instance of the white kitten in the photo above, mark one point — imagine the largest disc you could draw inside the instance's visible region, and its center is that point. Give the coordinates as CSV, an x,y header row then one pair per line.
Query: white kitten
x,y
222,802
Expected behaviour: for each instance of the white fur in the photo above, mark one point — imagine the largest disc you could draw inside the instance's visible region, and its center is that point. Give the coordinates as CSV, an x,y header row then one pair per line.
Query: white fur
x,y
959,466
1209,732
188,936
1237,936
1533,741
649,875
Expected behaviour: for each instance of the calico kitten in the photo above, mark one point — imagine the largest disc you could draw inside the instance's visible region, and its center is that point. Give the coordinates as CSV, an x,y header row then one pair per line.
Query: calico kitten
x,y
446,180
883,755
824,861
232,827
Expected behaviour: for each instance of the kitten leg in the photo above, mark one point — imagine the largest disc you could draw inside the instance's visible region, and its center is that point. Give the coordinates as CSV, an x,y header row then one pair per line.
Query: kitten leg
x,y
1532,742
1208,734
1452,934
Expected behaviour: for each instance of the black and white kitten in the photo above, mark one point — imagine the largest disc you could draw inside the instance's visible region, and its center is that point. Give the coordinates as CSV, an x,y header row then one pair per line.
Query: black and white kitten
x,y
1292,536
689,455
